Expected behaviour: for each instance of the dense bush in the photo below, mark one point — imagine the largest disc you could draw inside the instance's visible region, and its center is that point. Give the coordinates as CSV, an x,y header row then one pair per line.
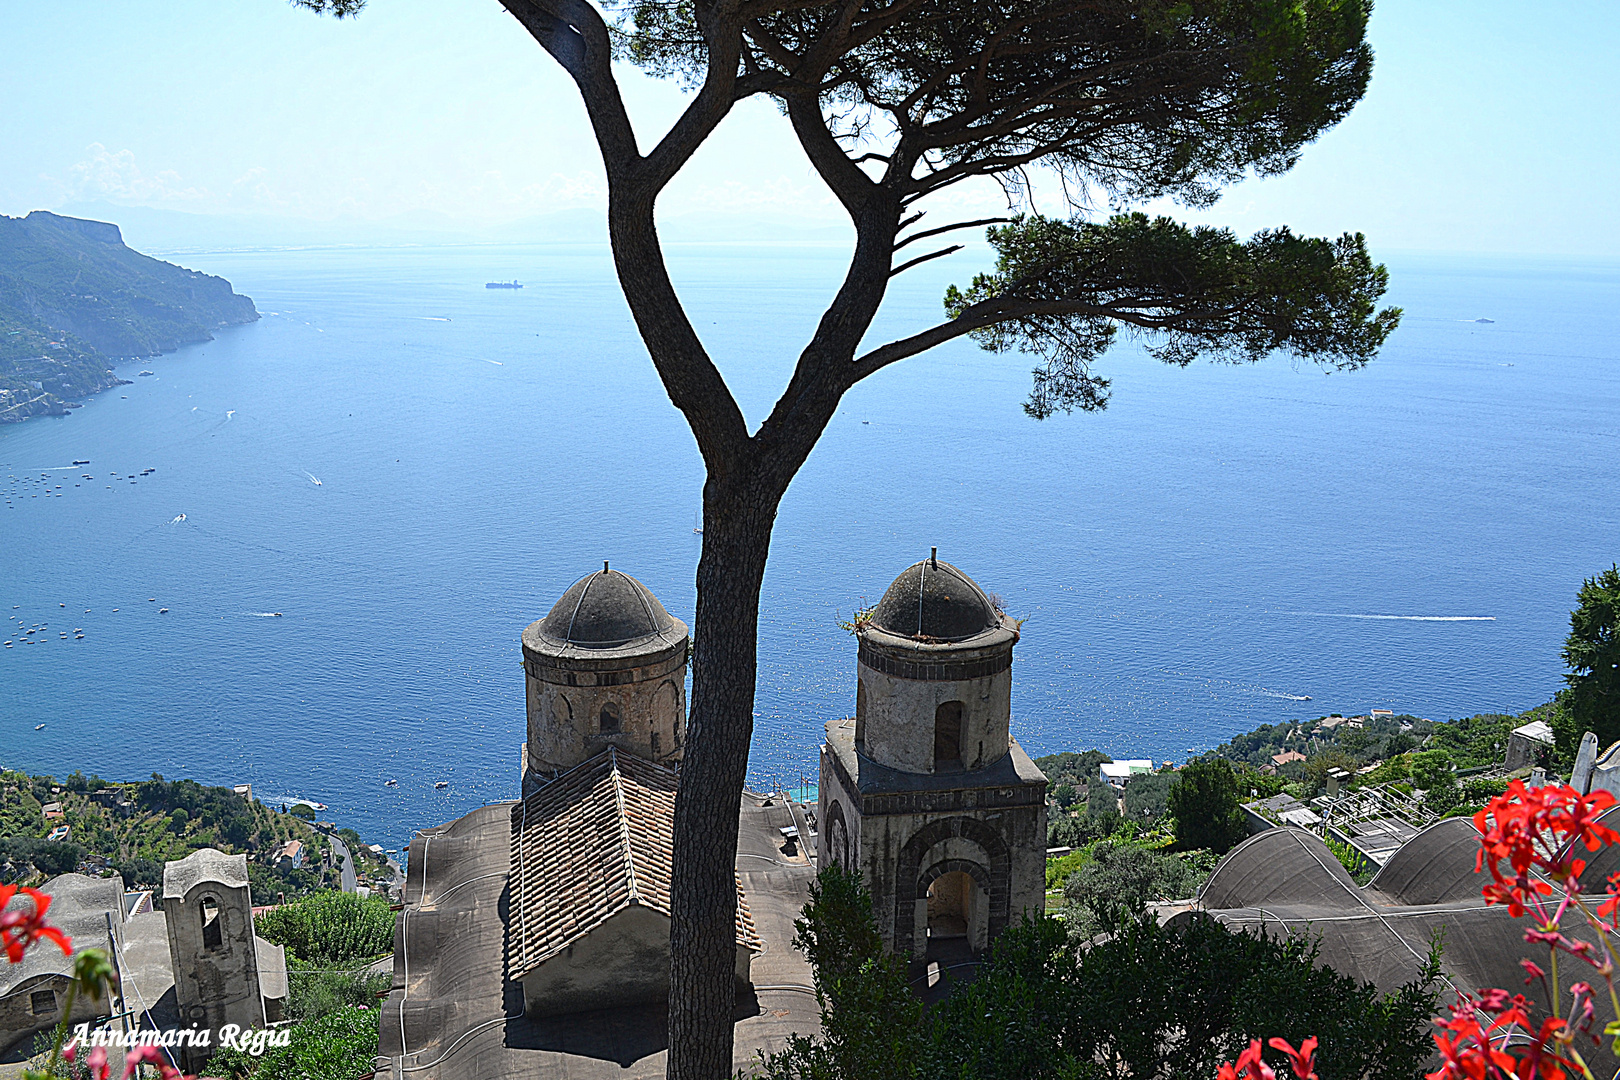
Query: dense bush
x,y
1151,1003
331,928
1118,882
314,991
341,1045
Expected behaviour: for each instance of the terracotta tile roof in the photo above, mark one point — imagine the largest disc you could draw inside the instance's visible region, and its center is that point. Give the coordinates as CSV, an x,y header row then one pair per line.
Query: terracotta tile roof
x,y
591,843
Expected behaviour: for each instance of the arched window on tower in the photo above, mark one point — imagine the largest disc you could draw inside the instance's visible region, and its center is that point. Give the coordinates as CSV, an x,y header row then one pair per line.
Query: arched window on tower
x,y
212,928
948,736
610,719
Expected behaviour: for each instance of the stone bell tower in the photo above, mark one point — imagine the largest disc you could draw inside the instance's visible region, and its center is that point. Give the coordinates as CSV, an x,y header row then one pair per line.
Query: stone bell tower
x,y
223,972
607,667
925,791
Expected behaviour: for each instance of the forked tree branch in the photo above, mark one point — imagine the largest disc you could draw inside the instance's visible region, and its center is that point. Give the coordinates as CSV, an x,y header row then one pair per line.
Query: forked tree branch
x,y
573,32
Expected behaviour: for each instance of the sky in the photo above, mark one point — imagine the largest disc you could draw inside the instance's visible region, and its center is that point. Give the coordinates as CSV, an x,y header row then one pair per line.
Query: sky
x,y
1490,127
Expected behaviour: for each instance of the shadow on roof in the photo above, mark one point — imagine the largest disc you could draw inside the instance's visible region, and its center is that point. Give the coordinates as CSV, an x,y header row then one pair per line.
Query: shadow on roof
x,y
623,1036
1434,867
1281,866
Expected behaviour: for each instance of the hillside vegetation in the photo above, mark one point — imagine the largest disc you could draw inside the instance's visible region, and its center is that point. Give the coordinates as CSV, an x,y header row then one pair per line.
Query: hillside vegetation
x,y
74,298
132,829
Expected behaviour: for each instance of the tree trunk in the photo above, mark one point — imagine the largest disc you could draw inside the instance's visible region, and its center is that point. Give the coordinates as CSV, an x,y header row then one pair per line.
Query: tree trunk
x,y
738,514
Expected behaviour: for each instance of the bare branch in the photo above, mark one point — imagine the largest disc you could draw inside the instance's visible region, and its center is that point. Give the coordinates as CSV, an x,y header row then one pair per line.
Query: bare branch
x,y
940,254
949,228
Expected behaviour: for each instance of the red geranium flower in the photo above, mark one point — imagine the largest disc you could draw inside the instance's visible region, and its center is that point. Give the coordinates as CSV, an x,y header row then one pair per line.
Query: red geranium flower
x,y
19,930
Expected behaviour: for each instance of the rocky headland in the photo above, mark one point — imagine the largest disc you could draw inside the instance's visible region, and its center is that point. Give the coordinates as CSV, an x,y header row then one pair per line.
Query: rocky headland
x,y
74,300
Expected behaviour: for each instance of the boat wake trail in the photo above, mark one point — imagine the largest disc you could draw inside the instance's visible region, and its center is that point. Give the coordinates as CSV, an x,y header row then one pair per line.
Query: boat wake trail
x,y
313,479
262,614
1286,697
177,519
1401,618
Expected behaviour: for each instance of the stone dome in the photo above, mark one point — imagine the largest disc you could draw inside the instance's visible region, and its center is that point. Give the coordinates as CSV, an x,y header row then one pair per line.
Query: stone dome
x,y
933,601
609,609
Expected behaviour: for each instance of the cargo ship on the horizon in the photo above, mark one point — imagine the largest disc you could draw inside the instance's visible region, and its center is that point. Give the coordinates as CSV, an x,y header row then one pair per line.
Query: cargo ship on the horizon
x,y
502,285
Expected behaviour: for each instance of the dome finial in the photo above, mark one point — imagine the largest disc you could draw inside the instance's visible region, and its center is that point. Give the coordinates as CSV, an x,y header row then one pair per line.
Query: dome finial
x,y
933,557
604,566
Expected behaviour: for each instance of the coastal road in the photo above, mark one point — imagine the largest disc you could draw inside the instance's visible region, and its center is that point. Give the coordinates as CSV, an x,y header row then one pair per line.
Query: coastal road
x,y
345,860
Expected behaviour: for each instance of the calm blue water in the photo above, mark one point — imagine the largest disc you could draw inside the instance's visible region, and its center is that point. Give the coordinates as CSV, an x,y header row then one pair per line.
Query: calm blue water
x,y
1192,562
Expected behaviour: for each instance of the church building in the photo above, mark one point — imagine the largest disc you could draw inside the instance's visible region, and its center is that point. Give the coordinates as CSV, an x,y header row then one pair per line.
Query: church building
x,y
924,790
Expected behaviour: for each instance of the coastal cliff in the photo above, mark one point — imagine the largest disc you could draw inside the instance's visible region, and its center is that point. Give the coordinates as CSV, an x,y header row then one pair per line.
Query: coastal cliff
x,y
74,299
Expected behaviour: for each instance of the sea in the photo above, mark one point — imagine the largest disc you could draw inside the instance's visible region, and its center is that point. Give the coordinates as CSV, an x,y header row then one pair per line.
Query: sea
x,y
302,554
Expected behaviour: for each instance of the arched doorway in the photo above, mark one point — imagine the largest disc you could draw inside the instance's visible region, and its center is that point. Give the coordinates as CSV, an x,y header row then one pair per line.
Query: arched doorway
x,y
990,869
949,898
953,908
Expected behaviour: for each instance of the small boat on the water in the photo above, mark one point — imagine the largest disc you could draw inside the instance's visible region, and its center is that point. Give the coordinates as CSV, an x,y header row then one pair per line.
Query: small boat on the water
x,y
39,727
390,783
163,611
86,461
441,784
502,285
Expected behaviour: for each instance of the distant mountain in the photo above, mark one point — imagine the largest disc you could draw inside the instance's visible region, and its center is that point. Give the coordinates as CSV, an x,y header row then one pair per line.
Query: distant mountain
x,y
176,233
73,298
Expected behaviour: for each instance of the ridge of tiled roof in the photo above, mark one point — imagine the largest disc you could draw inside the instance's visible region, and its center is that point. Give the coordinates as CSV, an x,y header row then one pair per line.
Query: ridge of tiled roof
x,y
594,841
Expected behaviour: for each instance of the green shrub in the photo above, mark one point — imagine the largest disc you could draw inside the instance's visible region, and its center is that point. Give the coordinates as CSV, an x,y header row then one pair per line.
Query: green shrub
x,y
1153,1002
331,928
1119,881
314,991
341,1045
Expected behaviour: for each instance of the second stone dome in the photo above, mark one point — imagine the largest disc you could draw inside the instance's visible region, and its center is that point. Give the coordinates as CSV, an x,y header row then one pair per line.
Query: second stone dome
x,y
934,601
609,610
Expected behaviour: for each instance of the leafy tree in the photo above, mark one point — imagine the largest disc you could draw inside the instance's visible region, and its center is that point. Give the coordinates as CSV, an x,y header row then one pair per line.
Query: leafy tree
x,y
1102,801
1205,803
1480,740
51,859
895,101
138,872
1065,831
341,1045
1121,879
1431,768
1147,796
1592,653
1077,768
331,927
1064,795
302,812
